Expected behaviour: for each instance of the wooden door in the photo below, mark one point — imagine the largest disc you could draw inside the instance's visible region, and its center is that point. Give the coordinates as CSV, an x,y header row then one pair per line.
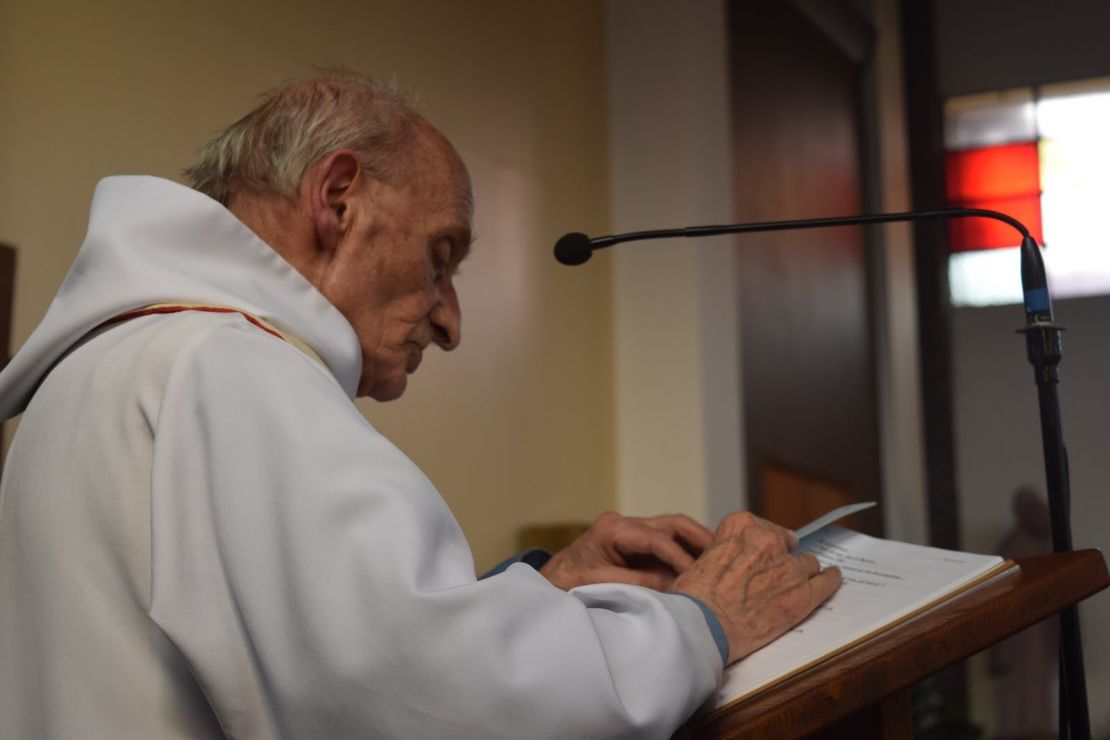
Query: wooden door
x,y
808,371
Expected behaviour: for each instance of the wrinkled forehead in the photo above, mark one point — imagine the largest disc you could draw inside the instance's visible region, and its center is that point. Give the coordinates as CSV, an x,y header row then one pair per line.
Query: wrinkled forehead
x,y
453,170
439,172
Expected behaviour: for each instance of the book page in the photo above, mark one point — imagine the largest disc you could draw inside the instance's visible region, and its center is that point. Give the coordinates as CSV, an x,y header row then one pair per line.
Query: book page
x,y
884,581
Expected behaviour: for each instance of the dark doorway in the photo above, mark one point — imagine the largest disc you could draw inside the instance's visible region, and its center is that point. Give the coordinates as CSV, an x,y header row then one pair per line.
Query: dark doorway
x,y
809,379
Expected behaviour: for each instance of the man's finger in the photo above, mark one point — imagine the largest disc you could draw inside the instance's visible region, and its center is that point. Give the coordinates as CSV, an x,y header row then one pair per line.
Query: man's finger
x,y
637,538
807,564
693,534
825,584
809,594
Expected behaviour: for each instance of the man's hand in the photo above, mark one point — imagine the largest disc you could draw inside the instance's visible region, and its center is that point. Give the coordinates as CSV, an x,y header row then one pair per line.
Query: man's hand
x,y
616,549
757,589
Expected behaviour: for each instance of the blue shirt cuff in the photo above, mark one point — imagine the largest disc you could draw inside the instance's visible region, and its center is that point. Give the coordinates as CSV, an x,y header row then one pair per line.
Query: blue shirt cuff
x,y
536,557
715,627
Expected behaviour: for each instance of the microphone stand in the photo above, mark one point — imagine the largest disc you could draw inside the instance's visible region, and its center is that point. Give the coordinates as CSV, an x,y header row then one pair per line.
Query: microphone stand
x,y
1043,349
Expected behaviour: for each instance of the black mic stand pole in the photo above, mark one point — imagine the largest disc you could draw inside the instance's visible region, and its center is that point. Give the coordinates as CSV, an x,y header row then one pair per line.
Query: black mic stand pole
x,y
1043,348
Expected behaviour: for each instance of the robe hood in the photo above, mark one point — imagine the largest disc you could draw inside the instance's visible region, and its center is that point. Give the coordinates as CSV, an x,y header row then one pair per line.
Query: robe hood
x,y
152,241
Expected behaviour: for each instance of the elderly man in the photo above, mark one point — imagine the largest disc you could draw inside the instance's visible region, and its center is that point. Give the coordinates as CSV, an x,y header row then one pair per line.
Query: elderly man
x,y
200,535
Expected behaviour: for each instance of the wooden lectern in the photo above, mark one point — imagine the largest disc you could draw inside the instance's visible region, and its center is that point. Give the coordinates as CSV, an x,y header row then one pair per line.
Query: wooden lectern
x,y
864,692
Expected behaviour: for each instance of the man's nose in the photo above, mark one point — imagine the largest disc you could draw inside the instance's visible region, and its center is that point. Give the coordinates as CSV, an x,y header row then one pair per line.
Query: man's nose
x,y
446,318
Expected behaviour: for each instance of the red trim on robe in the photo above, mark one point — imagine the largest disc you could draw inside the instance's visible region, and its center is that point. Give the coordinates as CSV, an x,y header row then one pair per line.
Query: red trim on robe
x,y
177,309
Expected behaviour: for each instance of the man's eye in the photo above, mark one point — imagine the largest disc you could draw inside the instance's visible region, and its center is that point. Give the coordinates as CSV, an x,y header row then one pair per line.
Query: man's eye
x,y
441,258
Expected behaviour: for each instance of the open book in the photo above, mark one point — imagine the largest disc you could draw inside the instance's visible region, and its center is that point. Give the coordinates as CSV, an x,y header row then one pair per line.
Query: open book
x,y
885,584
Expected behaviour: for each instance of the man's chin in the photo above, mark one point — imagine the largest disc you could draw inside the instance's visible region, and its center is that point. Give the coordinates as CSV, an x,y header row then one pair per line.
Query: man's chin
x,y
389,390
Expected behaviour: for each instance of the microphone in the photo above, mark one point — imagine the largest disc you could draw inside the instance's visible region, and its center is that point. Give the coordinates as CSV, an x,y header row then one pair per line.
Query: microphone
x,y
573,249
1043,349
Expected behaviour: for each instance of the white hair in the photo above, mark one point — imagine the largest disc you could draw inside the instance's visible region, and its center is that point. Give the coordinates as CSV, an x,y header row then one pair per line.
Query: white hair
x,y
270,148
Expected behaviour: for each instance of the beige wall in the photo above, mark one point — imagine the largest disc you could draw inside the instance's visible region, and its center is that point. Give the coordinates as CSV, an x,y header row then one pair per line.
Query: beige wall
x,y
516,426
676,308
905,515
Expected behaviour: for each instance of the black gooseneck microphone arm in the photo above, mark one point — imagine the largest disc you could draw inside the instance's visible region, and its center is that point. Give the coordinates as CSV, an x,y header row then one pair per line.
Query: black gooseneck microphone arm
x,y
1043,349
574,249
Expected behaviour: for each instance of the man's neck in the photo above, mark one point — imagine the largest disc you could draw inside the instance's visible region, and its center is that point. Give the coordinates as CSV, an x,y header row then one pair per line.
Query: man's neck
x,y
283,224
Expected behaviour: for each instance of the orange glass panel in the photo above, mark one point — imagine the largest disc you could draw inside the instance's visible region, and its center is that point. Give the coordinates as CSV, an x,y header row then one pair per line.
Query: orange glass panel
x,y
1001,178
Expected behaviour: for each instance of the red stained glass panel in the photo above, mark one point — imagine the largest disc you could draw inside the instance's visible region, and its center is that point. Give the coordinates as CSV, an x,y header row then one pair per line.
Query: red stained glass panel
x,y
1002,178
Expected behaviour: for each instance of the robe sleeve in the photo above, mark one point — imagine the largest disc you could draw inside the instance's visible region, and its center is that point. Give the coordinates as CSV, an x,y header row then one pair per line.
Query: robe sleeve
x,y
318,586
537,557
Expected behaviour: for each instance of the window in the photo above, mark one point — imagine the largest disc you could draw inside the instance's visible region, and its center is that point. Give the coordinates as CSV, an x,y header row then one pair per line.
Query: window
x,y
1042,156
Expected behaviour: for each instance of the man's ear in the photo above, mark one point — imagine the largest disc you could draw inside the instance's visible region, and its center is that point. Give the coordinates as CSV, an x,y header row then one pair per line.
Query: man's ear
x,y
331,190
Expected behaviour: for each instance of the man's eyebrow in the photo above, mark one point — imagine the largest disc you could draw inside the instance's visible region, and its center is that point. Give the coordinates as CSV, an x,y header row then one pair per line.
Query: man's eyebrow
x,y
464,238
461,232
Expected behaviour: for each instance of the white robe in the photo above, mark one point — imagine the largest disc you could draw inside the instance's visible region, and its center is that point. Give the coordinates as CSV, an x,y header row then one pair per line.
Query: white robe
x,y
200,533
